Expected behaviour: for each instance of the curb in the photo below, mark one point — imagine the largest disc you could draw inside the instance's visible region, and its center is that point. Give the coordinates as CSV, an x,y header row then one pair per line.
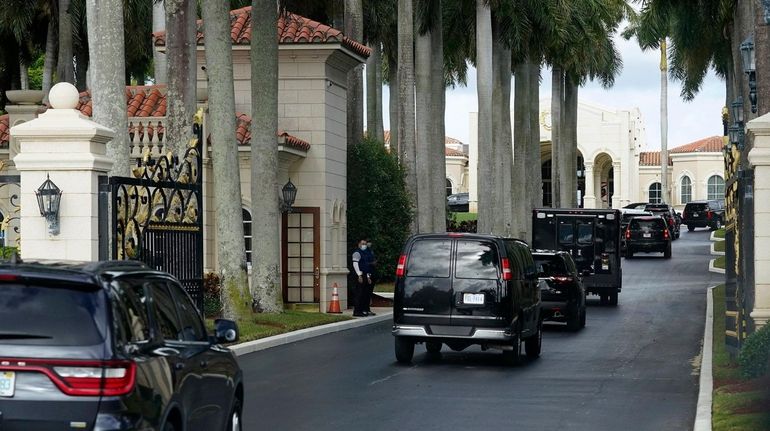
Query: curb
x,y
304,334
703,411
714,269
714,252
713,238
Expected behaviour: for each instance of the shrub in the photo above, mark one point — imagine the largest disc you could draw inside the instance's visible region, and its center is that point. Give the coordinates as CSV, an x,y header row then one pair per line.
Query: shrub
x,y
378,204
212,301
8,252
755,353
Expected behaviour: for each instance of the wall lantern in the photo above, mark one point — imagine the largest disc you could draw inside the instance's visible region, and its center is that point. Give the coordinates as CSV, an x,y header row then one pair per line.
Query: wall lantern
x,y
748,58
289,194
737,111
48,201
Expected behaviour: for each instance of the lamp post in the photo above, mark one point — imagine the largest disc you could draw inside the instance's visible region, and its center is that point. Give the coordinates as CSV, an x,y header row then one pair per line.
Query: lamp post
x,y
288,194
48,201
735,132
748,58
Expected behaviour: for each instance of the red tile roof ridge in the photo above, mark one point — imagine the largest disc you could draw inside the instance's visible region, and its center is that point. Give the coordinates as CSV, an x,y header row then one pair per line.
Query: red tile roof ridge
x,y
711,144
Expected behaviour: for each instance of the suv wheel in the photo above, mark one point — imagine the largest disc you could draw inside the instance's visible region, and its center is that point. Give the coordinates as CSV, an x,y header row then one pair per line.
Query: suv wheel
x,y
629,253
533,344
613,298
433,346
667,252
573,324
583,316
234,424
690,228
513,356
404,349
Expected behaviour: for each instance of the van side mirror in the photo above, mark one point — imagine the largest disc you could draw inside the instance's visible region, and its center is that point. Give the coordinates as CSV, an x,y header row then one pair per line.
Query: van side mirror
x,y
586,272
225,331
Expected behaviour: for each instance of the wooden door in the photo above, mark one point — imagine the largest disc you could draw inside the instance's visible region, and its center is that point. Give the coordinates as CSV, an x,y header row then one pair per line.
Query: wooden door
x,y
301,255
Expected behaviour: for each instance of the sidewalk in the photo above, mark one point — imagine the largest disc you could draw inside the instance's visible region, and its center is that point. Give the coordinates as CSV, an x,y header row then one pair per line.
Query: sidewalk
x,y
383,314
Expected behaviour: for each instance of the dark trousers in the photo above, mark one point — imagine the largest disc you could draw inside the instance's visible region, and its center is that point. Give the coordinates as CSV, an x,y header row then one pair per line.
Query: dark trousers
x,y
363,296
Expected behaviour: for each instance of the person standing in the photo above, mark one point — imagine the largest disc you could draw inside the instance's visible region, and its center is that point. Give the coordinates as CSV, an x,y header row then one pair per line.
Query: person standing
x,y
362,267
372,264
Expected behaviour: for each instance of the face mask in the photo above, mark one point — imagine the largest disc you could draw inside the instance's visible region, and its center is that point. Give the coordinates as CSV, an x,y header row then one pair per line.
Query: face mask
x,y
363,247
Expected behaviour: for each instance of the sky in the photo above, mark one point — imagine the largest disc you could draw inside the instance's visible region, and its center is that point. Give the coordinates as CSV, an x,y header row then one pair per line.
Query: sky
x,y
638,85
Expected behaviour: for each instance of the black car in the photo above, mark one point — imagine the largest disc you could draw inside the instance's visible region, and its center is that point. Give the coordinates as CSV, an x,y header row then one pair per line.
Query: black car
x,y
709,214
636,206
465,289
458,202
627,215
648,234
110,346
562,295
668,214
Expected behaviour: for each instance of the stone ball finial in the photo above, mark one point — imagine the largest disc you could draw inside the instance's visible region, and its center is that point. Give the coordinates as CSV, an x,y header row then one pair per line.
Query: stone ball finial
x,y
64,96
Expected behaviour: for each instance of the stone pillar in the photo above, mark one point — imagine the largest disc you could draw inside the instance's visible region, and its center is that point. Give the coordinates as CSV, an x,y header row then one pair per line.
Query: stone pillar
x,y
70,148
759,158
616,185
589,200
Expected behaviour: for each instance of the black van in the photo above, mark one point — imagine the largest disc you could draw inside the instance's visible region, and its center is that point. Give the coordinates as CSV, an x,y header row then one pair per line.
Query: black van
x,y
592,236
463,289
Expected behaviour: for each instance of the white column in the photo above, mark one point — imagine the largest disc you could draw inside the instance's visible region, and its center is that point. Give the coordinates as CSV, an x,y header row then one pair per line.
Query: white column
x,y
759,157
71,149
617,189
589,201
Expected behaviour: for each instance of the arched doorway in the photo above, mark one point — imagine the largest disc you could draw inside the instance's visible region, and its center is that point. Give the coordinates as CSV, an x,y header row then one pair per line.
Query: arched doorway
x,y
603,180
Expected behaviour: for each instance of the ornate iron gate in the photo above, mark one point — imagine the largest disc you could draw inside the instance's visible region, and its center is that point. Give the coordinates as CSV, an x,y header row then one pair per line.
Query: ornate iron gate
x,y
157,215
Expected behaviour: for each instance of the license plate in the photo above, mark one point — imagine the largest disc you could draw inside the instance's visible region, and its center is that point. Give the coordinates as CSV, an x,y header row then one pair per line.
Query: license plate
x,y
695,214
647,235
473,298
605,267
7,383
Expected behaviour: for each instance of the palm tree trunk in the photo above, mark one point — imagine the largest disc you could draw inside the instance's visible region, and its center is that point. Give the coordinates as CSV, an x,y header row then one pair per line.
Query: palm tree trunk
x,y
424,110
82,61
438,146
534,160
24,75
231,248
181,73
486,181
557,101
406,109
762,55
505,221
663,123
373,88
266,280
65,66
569,144
354,29
158,58
379,132
108,77
521,146
49,64
393,90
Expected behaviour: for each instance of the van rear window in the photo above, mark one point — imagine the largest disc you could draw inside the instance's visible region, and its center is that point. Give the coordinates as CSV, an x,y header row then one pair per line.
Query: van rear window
x,y
477,259
430,258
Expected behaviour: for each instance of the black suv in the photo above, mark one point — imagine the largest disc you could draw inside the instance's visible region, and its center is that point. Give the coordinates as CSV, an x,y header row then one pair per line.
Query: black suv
x,y
110,346
709,214
648,234
628,214
465,289
669,215
561,289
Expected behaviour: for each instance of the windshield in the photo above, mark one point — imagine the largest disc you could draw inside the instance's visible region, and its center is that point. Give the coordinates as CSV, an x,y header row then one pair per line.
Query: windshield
x,y
550,265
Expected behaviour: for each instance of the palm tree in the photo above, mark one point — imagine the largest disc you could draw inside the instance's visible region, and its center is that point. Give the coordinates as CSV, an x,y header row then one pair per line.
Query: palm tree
x,y
65,67
266,284
374,126
107,71
159,24
354,29
231,251
425,110
181,74
438,99
508,219
407,150
484,76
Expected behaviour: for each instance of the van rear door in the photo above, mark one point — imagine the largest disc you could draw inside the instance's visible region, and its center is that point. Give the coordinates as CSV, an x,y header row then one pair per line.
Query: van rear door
x,y
427,298
477,284
576,235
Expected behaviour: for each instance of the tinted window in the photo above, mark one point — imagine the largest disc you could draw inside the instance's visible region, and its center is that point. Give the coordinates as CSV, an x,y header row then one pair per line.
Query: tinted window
x,y
550,265
647,225
429,258
695,207
565,233
191,323
165,312
476,259
56,316
585,233
130,311
607,236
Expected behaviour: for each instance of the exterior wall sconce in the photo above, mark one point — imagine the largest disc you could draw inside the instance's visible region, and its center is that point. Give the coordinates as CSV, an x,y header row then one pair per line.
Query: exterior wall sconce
x,y
288,194
766,6
48,201
748,58
735,132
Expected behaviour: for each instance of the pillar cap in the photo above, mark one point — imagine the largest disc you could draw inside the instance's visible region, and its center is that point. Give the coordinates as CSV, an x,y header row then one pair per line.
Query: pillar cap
x,y
64,96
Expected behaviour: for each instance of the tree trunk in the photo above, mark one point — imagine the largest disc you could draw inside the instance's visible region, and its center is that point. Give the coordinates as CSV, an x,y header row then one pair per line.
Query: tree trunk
x,y
231,248
568,175
425,110
406,132
266,278
521,146
534,160
65,67
158,58
379,132
486,181
557,101
374,90
354,29
81,70
438,146
108,77
394,106
505,221
762,55
663,123
24,75
181,73
49,64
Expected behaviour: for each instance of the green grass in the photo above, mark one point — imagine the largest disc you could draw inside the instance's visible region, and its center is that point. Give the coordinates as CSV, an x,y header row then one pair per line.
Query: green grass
x,y
385,286
263,325
461,217
720,262
719,233
724,368
719,246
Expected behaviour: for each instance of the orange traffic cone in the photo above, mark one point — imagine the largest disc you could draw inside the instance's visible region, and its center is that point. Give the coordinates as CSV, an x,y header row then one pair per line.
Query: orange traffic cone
x,y
334,305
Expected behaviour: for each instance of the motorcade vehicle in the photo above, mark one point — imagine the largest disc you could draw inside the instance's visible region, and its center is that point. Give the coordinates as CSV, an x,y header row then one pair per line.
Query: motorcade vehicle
x,y
636,206
463,289
648,234
111,346
710,214
458,202
562,295
627,215
592,237
668,214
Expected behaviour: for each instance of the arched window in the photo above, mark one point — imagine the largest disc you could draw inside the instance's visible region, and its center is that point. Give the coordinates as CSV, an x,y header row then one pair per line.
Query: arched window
x,y
448,187
686,190
654,193
247,233
716,187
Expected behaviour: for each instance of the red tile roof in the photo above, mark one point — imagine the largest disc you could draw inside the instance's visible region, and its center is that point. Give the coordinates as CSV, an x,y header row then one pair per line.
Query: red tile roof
x,y
448,140
243,134
452,152
712,144
5,128
292,28
651,158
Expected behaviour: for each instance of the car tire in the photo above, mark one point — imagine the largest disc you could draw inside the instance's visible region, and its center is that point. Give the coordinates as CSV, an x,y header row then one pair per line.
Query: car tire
x,y
690,228
629,253
404,350
613,298
667,252
534,344
573,324
678,234
433,346
583,317
235,423
512,357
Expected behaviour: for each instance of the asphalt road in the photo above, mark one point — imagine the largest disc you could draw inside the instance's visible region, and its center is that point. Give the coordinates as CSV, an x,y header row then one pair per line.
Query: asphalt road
x,y
634,367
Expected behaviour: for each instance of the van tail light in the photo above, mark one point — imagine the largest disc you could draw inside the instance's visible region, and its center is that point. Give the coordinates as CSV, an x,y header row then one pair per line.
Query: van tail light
x,y
401,267
507,275
81,378
709,214
562,280
666,235
628,233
